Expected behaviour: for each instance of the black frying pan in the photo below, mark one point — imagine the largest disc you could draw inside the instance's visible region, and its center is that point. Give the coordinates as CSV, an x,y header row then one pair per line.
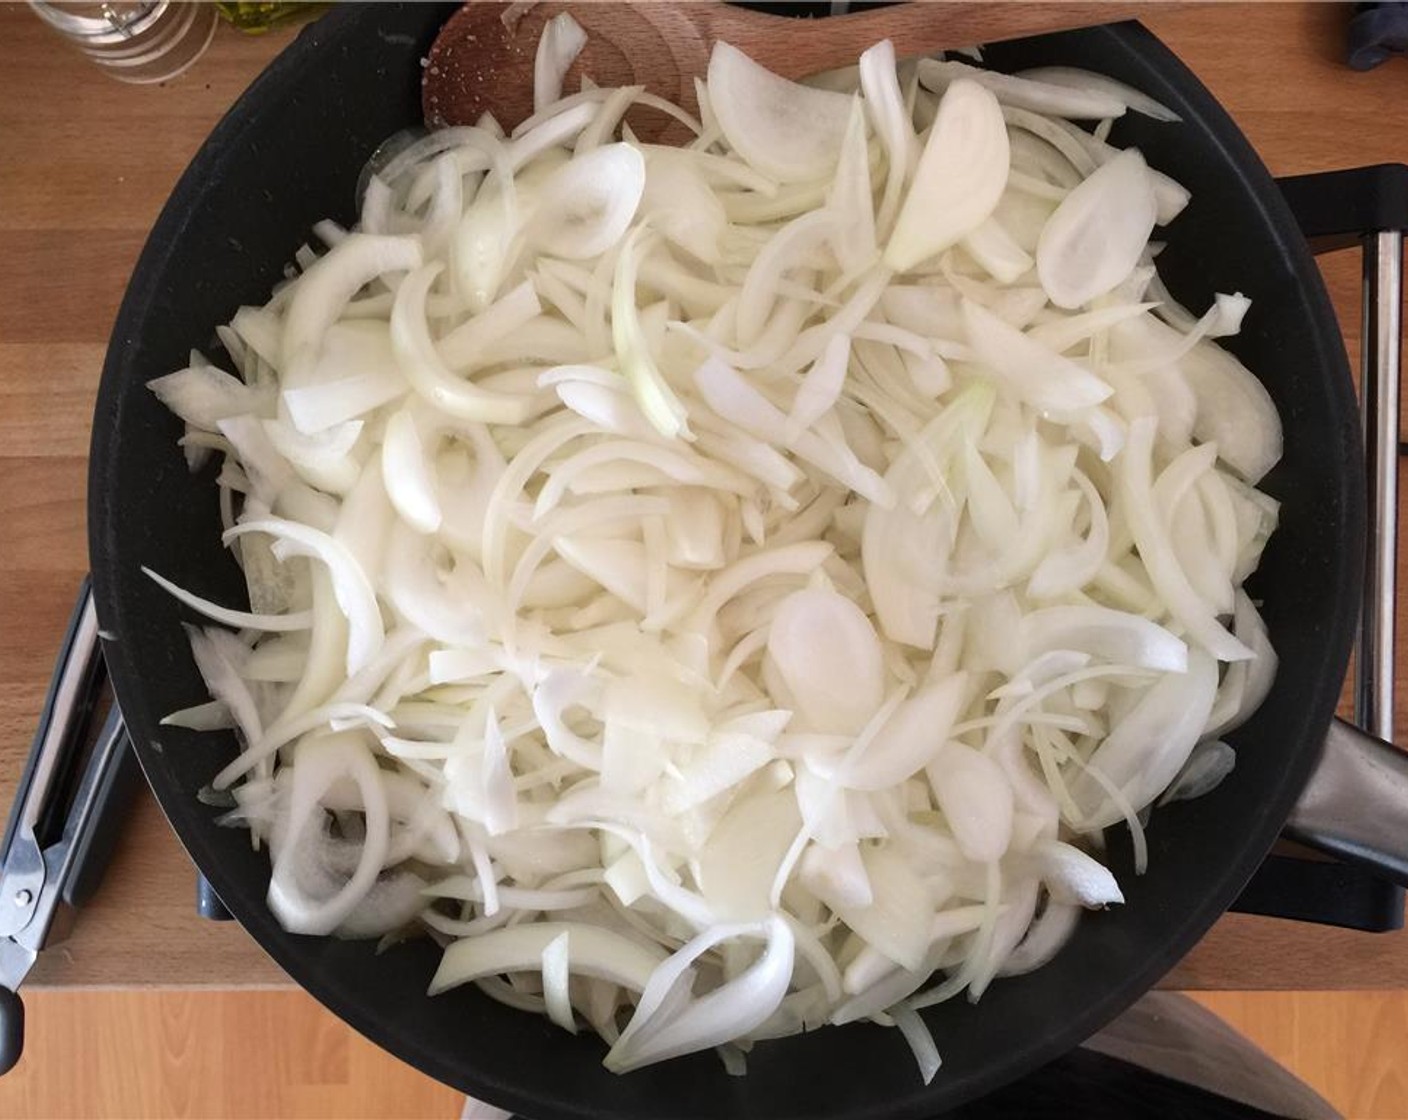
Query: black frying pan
x,y
288,154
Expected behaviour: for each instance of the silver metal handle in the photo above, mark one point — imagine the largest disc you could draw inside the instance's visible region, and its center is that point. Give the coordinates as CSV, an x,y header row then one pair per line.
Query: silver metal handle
x,y
25,872
40,872
1355,805
1378,402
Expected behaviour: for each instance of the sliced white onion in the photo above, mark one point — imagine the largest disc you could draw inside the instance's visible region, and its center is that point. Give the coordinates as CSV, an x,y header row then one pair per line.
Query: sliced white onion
x,y
318,764
586,206
854,239
355,373
1089,81
1204,771
976,799
841,692
1073,877
1098,233
885,104
1039,376
202,396
959,178
682,206
354,594
788,131
325,289
1064,100
298,620
708,632
921,1042
594,952
657,400
561,42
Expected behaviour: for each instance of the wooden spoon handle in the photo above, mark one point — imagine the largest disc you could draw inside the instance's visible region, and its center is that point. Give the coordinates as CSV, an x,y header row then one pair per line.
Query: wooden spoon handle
x,y
795,48
481,61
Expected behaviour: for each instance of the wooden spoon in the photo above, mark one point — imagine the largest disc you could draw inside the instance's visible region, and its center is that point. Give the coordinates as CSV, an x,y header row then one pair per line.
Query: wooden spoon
x,y
482,60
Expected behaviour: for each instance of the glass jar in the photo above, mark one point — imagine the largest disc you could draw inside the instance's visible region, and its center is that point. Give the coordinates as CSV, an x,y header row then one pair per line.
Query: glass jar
x,y
133,40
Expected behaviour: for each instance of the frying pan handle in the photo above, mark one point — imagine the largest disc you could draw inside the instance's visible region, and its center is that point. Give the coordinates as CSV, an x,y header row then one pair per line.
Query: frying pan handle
x,y
104,798
1368,206
1356,805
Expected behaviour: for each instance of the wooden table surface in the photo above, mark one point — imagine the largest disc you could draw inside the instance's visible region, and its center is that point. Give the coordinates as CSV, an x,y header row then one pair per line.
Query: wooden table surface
x,y
85,165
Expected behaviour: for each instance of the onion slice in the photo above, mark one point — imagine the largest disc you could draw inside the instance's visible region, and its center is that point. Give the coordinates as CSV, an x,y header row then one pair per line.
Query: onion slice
x,y
959,178
586,206
789,132
1098,233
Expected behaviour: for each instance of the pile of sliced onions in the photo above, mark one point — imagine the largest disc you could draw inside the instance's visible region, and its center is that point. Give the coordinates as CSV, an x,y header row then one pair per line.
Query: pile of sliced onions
x,y
727,589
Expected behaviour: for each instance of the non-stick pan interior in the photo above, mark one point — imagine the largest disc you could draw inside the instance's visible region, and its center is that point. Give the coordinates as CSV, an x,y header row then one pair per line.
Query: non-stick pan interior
x,y
287,155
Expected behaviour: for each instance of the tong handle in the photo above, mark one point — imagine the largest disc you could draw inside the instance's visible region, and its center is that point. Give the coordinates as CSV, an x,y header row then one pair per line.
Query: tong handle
x,y
1379,390
104,796
67,707
63,824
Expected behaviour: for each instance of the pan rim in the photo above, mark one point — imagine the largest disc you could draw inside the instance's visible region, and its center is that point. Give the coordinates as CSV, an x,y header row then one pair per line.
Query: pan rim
x,y
117,381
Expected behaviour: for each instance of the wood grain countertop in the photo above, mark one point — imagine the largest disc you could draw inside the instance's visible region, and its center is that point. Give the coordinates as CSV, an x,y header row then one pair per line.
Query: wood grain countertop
x,y
85,165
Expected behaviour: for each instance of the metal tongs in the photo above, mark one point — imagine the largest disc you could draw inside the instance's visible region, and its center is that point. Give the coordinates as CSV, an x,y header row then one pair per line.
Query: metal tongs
x,y
66,811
